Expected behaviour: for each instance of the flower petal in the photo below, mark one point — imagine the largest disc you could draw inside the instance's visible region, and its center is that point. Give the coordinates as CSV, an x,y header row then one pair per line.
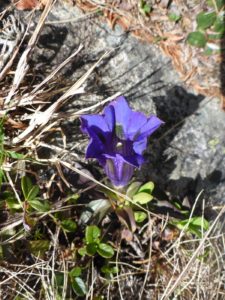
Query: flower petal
x,y
139,146
128,122
135,123
149,127
136,160
96,123
109,116
118,170
95,148
122,110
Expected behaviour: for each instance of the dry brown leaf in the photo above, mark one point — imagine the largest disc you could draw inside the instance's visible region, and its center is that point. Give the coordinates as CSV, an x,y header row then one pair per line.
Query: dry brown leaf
x,y
170,234
29,4
126,235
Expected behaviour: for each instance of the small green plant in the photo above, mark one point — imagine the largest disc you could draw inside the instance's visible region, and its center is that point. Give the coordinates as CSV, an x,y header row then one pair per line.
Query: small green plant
x,y
74,280
68,225
77,282
141,195
109,271
145,8
39,247
217,4
210,27
197,39
194,225
4,154
30,194
173,17
94,245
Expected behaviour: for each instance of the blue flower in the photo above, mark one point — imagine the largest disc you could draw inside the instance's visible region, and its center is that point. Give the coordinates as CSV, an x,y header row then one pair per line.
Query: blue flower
x,y
118,138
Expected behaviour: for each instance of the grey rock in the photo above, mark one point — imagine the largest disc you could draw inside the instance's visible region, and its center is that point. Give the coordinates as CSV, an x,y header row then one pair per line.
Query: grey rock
x,y
189,156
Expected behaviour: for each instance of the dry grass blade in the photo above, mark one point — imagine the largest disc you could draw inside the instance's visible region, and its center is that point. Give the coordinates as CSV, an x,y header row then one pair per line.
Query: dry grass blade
x,y
37,89
12,223
10,48
40,119
9,64
186,269
22,66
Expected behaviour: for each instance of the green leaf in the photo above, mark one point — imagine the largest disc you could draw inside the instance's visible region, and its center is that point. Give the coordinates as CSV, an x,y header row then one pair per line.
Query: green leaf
x,y
91,249
2,204
59,280
133,188
145,7
69,225
2,157
174,17
210,3
12,203
82,251
33,193
29,222
15,155
126,216
79,286
217,4
205,19
220,4
109,194
140,216
105,250
39,247
195,230
109,270
19,298
39,205
26,185
193,225
208,51
219,25
201,222
147,187
92,234
2,177
72,198
75,272
142,198
197,39
2,120
215,36
96,209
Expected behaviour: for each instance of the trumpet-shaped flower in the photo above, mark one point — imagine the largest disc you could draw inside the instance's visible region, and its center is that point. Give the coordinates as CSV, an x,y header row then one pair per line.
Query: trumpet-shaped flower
x,y
118,138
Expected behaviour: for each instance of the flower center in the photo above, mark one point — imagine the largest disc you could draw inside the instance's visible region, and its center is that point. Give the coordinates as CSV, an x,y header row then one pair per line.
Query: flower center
x,y
119,147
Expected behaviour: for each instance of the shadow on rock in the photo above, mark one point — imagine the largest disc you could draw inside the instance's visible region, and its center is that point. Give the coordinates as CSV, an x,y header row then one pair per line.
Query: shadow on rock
x,y
51,41
174,109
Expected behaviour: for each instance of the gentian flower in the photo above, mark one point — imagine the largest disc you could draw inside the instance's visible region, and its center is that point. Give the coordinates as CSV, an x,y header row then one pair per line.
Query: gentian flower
x,y
118,138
